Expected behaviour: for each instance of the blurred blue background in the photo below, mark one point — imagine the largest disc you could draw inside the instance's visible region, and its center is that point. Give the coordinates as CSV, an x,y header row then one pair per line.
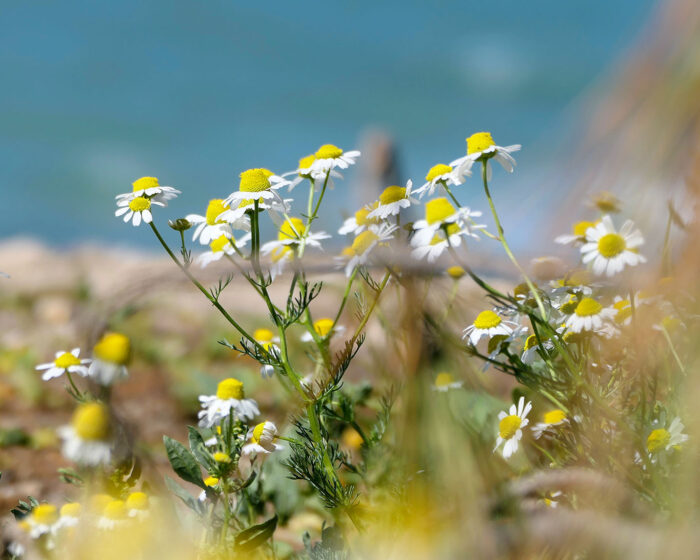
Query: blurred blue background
x,y
97,94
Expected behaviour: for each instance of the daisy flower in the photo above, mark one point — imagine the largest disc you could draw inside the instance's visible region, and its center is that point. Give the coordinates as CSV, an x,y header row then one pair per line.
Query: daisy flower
x,y
211,226
577,235
665,439
440,215
305,171
328,157
64,362
114,515
589,315
265,338
256,184
510,427
608,251
148,187
137,505
487,324
392,200
444,382
552,418
69,515
532,350
229,397
262,439
222,245
481,147
324,328
136,209
42,520
450,235
364,243
87,440
439,175
361,221
293,233
111,354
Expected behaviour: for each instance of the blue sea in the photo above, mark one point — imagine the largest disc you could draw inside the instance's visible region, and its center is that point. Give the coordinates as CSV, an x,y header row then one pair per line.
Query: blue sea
x,y
97,94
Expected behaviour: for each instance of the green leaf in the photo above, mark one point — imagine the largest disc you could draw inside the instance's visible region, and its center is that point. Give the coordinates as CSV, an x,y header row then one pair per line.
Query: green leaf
x,y
198,447
181,493
183,462
252,537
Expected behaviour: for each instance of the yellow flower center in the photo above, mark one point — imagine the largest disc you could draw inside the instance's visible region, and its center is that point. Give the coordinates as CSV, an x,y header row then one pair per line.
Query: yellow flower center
x,y
530,341
569,306
219,244
306,162
554,416
658,439
214,210
588,307
293,228
91,422
487,320
114,348
139,204
211,481
115,510
258,432
45,514
392,194
279,253
323,327
361,218
255,180
478,142
230,389
66,360
263,335
509,425
71,509
456,272
98,502
137,500
437,170
611,245
328,151
351,438
221,457
145,183
363,242
438,210
581,228
443,380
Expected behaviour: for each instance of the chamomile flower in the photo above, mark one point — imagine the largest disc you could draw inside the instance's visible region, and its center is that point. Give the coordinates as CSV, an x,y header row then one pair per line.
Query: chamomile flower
x,y
392,200
136,209
148,187
487,324
481,147
137,505
448,236
88,438
609,251
551,419
111,354
262,439
364,243
293,233
265,337
663,439
64,362
43,520
360,221
69,515
577,235
444,382
510,427
211,226
255,184
440,214
229,397
532,350
114,515
222,245
589,315
324,328
439,175
329,157
305,171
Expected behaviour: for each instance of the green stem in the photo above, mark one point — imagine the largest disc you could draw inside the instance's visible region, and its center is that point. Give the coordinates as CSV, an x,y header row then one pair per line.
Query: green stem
x,y
502,239
345,297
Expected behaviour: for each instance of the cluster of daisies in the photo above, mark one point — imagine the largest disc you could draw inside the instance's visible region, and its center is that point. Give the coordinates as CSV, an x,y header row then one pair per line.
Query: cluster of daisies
x,y
54,526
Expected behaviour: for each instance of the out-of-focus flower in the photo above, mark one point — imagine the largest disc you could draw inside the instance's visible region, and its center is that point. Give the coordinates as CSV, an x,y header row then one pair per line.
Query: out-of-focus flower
x,y
589,315
64,362
510,427
608,251
111,354
87,440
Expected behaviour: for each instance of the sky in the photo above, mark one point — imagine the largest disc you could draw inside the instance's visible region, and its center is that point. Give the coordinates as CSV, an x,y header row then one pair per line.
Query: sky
x,y
97,94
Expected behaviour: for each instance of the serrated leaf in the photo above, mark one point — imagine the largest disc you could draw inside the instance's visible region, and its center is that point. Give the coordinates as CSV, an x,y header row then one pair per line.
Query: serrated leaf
x,y
252,537
181,493
183,462
198,447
